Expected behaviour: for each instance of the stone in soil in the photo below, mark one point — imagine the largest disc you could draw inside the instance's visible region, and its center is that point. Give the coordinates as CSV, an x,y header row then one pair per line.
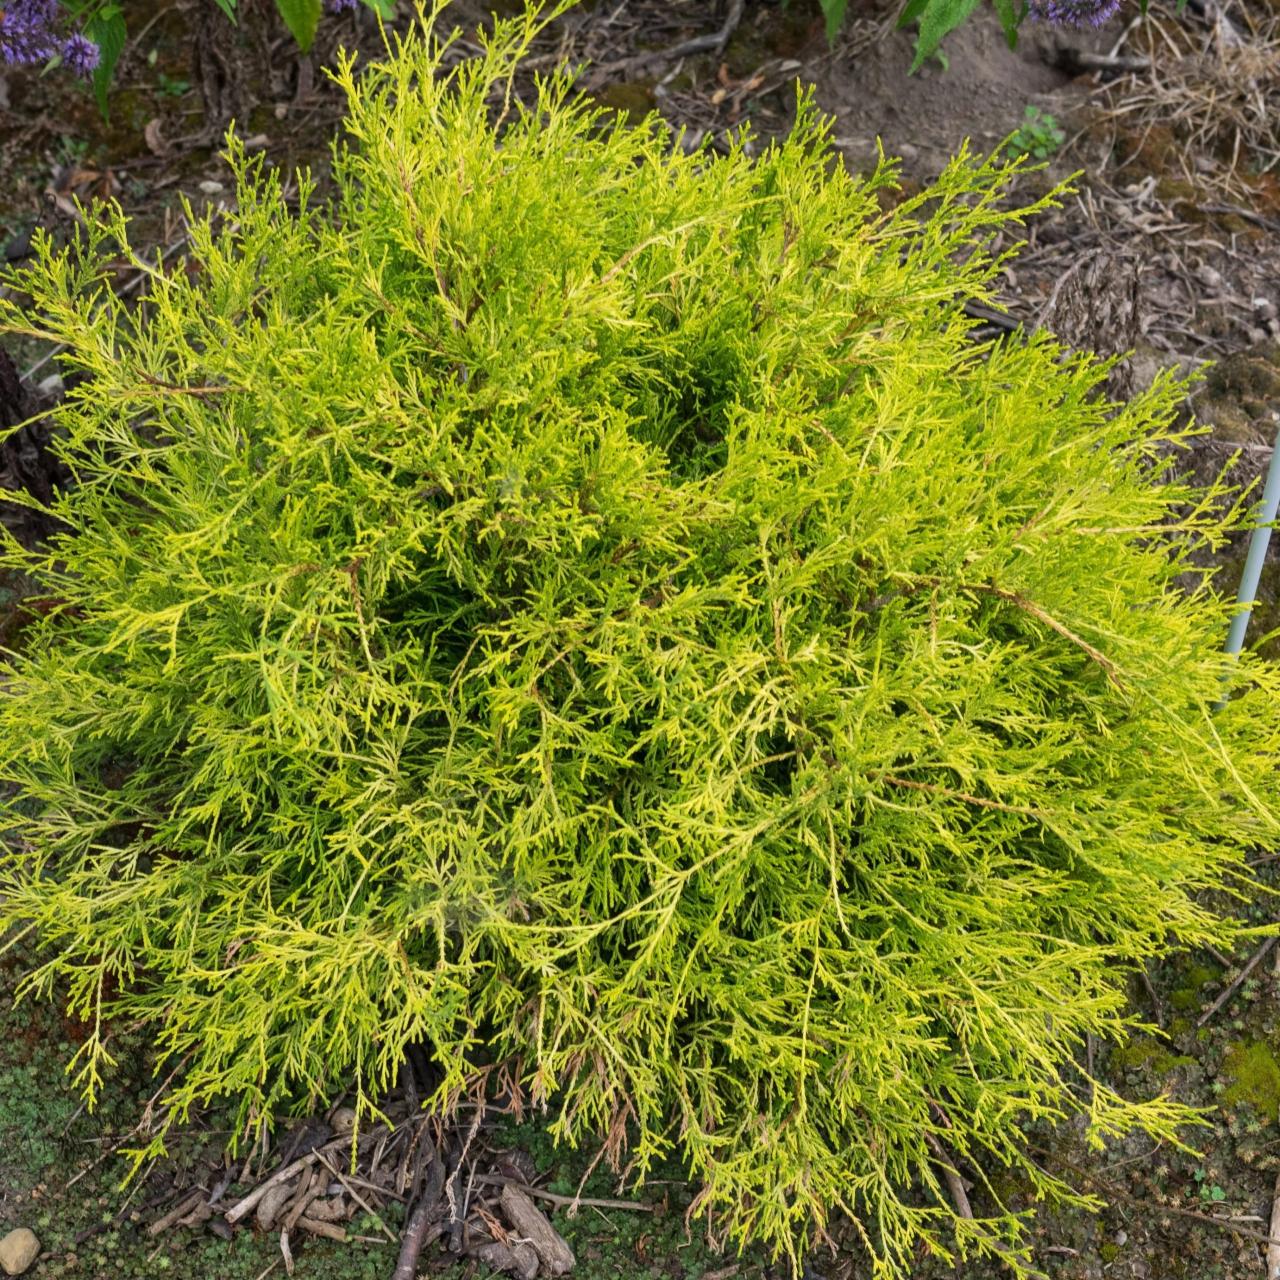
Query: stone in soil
x,y
18,1250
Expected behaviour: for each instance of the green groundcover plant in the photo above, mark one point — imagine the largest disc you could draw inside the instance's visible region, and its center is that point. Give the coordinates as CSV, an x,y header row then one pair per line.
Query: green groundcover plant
x,y
592,610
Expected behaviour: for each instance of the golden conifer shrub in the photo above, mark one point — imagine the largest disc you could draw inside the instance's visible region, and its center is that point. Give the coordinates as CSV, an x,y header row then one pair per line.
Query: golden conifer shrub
x,y
592,609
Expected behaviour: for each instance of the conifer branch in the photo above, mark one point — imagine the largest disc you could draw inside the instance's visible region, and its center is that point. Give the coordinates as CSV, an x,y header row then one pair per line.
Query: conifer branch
x,y
981,802
1031,608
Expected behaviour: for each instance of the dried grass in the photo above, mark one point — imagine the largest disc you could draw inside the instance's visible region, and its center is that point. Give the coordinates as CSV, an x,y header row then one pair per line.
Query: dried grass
x,y
1212,92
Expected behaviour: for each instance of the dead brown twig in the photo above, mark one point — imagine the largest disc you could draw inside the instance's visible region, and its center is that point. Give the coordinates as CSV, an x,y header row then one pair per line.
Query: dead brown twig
x,y
1273,1248
955,1183
1232,987
960,1198
564,1202
713,43
1111,1191
191,1200
935,789
420,1216
250,1202
178,389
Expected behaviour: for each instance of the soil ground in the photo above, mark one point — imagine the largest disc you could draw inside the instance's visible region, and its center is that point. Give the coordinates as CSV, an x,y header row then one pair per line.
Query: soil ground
x,y
1170,247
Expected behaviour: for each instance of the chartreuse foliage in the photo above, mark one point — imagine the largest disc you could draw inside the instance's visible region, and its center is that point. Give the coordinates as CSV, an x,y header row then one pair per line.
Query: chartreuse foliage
x,y
592,609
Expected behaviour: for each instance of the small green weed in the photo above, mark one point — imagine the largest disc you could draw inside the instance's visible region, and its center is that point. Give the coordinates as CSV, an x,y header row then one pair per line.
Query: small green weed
x,y
174,88
171,86
1039,135
168,85
71,152
1210,1192
31,1116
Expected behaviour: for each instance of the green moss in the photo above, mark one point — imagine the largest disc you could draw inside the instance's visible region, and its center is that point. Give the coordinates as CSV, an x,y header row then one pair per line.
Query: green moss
x,y
1108,1252
783,33
1145,1051
1256,1076
1186,995
631,101
1010,1188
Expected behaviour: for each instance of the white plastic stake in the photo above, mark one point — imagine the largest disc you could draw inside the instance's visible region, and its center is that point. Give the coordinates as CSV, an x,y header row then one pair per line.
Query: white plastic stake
x,y
1258,543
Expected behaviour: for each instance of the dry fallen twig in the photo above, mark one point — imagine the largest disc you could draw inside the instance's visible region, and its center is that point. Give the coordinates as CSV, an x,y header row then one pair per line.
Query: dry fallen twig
x,y
250,1202
184,1206
1232,987
1273,1248
1113,1192
550,1246
355,1195
552,1197
420,1216
714,43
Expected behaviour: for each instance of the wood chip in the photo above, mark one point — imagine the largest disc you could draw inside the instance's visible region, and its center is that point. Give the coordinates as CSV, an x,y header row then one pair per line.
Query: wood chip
x,y
517,1260
318,1228
184,1207
531,1223
346,1183
201,1213
250,1202
272,1204
154,138
329,1209
309,1188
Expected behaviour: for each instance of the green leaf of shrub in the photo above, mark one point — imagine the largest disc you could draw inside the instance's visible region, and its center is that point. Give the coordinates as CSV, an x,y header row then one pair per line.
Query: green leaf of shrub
x,y
301,17
911,11
107,30
834,11
937,19
1010,13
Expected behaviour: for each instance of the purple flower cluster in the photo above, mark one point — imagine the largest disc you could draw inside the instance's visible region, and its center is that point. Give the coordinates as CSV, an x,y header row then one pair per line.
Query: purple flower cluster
x,y
26,32
29,34
341,6
80,54
1075,13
